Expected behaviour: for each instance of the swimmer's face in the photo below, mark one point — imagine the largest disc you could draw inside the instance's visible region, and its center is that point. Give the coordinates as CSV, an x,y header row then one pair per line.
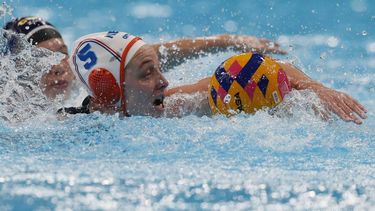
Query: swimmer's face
x,y
59,79
144,84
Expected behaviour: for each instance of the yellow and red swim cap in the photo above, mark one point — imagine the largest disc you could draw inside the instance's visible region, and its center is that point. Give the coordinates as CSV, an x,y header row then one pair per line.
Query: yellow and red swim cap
x,y
247,82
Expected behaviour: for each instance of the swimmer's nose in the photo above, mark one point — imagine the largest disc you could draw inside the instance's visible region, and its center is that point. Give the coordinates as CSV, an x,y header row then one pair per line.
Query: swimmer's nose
x,y
61,68
163,83
58,71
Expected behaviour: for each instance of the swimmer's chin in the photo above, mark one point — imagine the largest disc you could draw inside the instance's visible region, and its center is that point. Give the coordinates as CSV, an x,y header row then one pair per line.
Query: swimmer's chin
x,y
157,111
59,85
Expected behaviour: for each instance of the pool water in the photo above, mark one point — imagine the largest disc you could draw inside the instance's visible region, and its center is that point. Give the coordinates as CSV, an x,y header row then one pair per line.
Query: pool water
x,y
289,161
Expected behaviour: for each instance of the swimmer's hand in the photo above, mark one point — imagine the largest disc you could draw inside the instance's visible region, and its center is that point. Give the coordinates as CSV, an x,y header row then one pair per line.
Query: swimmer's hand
x,y
334,101
341,104
250,43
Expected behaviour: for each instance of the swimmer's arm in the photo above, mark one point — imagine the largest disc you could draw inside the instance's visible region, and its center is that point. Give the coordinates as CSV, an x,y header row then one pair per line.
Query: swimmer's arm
x,y
176,106
338,102
200,86
176,52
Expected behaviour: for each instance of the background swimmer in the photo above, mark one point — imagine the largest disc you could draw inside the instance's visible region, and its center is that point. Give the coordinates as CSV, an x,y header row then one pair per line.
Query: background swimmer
x,y
57,81
123,74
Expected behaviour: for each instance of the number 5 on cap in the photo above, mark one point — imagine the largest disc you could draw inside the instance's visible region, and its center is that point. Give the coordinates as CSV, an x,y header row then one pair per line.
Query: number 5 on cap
x,y
85,54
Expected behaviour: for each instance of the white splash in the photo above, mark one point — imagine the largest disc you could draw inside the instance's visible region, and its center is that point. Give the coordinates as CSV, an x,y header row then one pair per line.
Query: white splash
x,y
22,66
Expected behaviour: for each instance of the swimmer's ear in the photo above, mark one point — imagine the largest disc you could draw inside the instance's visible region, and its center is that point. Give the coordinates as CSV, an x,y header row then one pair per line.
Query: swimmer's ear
x,y
104,86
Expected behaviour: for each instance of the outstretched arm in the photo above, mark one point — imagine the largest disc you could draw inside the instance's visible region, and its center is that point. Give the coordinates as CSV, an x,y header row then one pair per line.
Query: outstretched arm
x,y
200,86
340,103
176,52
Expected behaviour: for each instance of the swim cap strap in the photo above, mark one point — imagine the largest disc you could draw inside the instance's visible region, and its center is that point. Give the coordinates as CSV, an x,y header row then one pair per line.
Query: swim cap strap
x,y
122,73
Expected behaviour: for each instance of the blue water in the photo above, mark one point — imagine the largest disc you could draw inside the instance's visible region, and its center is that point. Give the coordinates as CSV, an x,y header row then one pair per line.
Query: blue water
x,y
100,162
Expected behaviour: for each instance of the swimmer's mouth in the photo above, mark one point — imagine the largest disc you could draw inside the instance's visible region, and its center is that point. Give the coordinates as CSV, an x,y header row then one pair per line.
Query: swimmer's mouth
x,y
60,84
159,101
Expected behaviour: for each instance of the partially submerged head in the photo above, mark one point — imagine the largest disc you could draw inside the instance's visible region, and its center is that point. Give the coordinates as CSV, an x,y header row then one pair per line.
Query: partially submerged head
x,y
121,72
43,34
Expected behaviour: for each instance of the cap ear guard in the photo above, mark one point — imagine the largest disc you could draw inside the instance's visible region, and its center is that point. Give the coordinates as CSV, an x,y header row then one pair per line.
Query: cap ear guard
x,y
104,86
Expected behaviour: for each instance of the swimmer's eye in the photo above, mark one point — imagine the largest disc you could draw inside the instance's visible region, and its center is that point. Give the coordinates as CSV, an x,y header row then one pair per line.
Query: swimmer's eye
x,y
63,50
147,74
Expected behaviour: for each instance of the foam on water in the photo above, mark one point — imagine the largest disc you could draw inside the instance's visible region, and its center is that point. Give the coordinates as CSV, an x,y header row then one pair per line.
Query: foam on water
x,y
103,162
22,67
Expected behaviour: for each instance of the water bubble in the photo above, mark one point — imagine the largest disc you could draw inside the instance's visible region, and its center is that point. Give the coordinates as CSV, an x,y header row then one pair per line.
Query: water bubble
x,y
230,26
311,194
319,69
206,29
371,47
323,55
332,42
364,33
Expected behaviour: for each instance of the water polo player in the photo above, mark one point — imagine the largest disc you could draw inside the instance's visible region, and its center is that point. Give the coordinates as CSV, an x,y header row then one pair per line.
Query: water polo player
x,y
43,34
122,74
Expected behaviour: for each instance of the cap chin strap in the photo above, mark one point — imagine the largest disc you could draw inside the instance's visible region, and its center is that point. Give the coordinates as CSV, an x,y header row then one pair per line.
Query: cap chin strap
x,y
122,74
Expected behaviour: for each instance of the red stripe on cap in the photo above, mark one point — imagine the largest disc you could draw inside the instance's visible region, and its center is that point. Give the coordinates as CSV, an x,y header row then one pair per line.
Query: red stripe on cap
x,y
122,73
